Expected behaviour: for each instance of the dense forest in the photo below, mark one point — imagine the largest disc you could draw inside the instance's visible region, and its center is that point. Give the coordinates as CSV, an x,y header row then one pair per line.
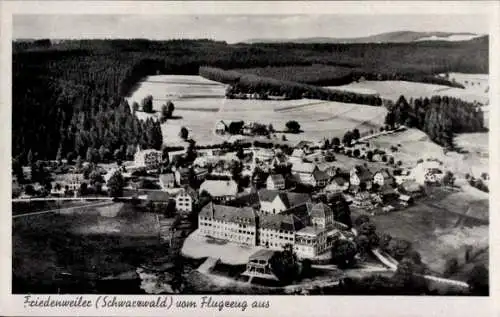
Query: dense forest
x,y
64,87
439,117
327,75
264,86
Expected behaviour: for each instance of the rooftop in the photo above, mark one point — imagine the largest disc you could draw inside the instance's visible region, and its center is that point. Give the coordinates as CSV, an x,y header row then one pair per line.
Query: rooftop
x,y
245,215
219,188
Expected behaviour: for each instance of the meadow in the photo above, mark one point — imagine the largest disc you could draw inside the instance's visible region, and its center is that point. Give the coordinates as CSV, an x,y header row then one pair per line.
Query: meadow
x,y
317,118
392,89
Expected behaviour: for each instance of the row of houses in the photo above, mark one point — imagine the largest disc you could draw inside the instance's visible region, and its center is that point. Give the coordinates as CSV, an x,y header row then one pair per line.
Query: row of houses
x,y
272,219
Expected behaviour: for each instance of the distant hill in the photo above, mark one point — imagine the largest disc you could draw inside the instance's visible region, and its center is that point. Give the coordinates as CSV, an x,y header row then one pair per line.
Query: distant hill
x,y
391,37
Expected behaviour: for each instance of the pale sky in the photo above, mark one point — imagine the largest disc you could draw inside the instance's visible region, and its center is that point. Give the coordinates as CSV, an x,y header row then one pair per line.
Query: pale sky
x,y
235,28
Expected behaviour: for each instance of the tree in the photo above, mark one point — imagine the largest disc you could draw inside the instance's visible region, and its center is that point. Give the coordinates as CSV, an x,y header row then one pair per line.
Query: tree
x,y
391,160
115,185
83,190
369,156
270,128
135,106
306,266
355,134
361,220
385,239
390,119
59,155
343,253
399,248
336,141
479,280
95,177
450,267
369,230
170,109
240,154
356,153
347,139
384,158
17,170
408,277
448,179
235,127
184,133
293,126
285,264
170,210
164,113
147,104
30,158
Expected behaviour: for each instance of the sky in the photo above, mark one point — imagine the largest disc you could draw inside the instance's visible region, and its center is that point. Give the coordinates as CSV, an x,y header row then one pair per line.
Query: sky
x,y
235,28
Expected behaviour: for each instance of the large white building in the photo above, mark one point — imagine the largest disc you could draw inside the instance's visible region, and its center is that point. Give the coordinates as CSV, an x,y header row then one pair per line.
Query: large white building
x,y
309,228
229,223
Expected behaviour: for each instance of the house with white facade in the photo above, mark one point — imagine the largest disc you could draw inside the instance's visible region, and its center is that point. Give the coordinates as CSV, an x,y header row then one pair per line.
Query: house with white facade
x,y
383,178
184,201
360,174
275,182
337,185
221,127
304,173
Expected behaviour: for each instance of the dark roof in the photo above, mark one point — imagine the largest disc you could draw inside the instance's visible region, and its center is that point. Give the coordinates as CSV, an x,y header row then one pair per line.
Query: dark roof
x,y
183,170
245,215
277,178
250,199
320,175
262,255
321,211
363,173
289,199
287,222
340,180
302,211
157,195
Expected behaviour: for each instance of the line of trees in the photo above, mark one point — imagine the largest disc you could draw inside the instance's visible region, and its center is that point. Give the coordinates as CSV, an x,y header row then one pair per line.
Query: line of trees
x,y
251,84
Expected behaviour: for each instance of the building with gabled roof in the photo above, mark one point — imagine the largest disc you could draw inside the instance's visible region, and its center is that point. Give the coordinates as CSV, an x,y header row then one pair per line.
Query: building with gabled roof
x,y
167,181
274,201
220,189
275,182
361,175
383,177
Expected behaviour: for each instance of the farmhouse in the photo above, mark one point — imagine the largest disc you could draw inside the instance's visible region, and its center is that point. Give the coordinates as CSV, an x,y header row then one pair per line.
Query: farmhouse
x,y
275,181
182,176
220,127
263,155
338,185
229,223
220,189
304,173
320,178
360,175
383,177
427,172
280,161
147,158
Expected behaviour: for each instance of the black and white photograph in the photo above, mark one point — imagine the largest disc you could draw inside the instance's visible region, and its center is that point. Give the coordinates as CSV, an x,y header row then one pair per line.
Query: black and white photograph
x,y
251,154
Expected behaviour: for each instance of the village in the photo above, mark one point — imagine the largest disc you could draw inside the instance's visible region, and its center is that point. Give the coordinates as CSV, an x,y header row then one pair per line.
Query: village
x,y
259,198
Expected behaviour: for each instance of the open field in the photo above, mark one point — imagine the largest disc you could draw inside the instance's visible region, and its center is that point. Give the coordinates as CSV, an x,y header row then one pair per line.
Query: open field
x,y
317,118
392,89
433,232
165,87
